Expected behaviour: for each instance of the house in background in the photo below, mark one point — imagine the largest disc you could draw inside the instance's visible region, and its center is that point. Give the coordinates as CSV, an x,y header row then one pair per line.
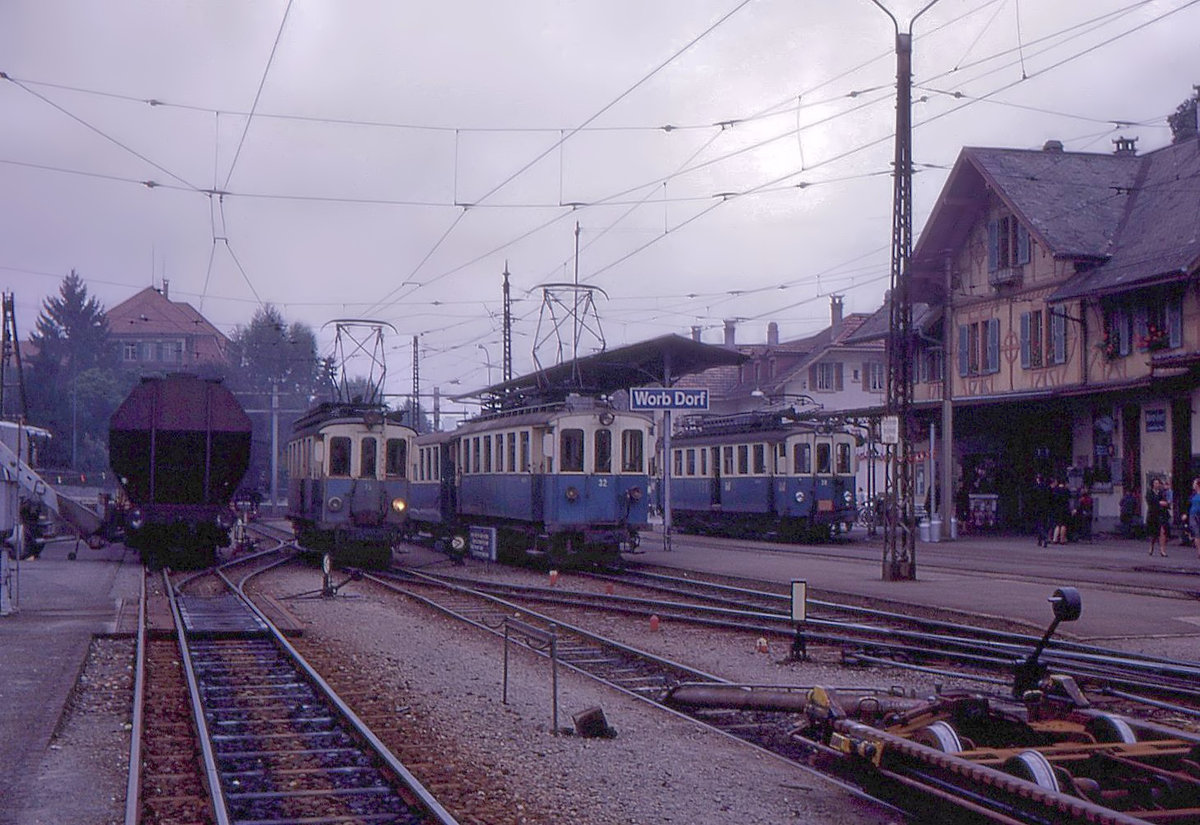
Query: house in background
x,y
153,333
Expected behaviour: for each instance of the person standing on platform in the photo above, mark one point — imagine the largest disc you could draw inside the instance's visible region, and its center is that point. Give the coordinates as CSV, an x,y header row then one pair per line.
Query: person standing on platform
x,y
1039,506
1158,516
1060,511
1193,515
1083,514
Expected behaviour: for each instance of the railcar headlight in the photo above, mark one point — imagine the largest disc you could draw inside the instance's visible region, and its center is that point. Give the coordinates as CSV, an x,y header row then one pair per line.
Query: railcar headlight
x,y
635,494
136,519
572,494
399,505
799,496
847,496
334,504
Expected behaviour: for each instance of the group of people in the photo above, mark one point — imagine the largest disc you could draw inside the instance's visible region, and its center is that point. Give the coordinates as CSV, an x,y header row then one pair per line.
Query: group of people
x,y
1058,514
1158,516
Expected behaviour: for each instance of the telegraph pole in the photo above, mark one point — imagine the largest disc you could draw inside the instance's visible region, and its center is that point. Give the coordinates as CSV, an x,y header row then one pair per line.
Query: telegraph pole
x,y
899,538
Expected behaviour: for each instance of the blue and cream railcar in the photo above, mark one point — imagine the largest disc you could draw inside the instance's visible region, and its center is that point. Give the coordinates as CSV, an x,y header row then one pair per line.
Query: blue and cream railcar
x,y
565,483
762,476
348,485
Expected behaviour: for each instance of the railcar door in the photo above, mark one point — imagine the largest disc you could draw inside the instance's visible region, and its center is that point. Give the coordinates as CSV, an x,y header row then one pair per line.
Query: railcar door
x,y
715,460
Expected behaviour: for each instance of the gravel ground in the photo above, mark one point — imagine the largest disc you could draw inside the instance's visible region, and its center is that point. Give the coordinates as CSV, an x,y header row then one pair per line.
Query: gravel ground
x,y
81,778
446,681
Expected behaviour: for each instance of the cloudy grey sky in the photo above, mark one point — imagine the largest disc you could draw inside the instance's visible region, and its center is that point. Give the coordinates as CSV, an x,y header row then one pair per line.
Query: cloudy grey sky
x,y
400,153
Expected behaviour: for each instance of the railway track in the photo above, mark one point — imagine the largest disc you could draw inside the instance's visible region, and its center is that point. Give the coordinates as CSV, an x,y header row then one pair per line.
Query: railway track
x,y
275,744
1046,756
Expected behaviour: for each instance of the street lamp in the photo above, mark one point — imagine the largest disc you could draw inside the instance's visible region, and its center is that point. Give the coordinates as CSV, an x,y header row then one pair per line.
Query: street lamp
x,y
488,362
803,399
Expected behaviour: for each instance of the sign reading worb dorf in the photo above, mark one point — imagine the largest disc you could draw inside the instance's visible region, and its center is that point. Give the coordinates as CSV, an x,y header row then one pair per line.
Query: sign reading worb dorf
x,y
645,399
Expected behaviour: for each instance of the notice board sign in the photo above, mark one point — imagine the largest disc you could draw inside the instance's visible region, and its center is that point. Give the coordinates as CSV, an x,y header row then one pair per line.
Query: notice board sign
x,y
482,543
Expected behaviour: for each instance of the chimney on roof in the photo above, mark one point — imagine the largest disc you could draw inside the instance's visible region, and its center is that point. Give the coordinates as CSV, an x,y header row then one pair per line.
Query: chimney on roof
x,y
166,290
696,333
1052,146
772,334
1126,147
835,314
730,326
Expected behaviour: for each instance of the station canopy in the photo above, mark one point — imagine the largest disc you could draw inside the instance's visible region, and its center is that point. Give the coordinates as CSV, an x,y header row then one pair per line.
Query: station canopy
x,y
657,362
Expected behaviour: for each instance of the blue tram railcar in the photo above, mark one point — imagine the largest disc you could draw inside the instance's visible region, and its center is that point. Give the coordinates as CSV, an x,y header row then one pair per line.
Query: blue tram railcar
x,y
180,445
348,486
762,476
562,483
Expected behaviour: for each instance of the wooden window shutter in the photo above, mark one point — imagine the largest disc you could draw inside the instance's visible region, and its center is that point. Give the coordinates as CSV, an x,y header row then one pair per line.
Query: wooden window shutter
x,y
1025,340
993,245
837,376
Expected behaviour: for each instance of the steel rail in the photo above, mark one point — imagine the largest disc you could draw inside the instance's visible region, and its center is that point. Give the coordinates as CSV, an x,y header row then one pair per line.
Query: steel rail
x,y
133,786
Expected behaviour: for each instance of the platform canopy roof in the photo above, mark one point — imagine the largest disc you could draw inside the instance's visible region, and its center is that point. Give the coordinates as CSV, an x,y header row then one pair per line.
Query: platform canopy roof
x,y
655,362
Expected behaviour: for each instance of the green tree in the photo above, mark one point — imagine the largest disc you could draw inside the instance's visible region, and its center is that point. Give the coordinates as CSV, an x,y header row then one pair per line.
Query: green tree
x,y
72,388
1184,123
274,362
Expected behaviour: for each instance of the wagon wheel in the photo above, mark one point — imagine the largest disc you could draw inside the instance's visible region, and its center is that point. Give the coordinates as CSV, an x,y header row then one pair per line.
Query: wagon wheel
x,y
940,736
1034,767
1109,728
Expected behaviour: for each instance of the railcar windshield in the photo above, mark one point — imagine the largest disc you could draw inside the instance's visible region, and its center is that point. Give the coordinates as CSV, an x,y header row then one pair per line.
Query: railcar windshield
x,y
801,459
602,456
633,451
367,457
842,458
339,455
570,451
396,459
824,458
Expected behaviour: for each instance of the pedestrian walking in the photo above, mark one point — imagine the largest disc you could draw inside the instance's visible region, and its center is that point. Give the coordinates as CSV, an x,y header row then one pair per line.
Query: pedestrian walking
x,y
1158,516
1193,514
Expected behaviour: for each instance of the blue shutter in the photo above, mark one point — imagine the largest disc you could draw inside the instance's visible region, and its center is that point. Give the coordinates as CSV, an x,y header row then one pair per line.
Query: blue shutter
x,y
993,246
993,345
1175,322
1058,334
964,344
1023,251
1025,340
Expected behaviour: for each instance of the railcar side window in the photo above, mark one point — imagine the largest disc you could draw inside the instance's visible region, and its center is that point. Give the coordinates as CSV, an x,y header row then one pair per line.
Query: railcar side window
x,y
678,466
801,459
703,461
475,465
743,454
843,458
368,455
339,456
570,451
487,453
511,440
691,462
396,459
603,455
727,461
524,451
633,451
824,454
760,459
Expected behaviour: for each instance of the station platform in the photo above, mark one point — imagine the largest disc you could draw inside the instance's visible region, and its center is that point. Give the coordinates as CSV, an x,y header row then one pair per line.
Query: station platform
x,y
1127,595
60,605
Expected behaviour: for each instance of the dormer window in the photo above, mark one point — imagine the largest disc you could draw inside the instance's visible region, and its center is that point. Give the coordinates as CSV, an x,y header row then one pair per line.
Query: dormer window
x,y
1008,249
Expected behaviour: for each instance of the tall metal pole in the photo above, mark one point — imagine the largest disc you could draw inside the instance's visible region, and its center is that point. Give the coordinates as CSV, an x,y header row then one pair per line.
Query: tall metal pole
x,y
416,389
506,356
899,538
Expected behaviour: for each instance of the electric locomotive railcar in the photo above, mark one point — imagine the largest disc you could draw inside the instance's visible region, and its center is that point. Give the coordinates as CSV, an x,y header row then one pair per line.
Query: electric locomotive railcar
x,y
564,484
180,445
762,476
348,482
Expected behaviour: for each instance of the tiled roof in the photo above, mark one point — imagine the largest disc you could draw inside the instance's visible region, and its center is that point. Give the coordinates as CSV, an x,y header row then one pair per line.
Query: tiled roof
x,y
1159,238
150,314
1074,201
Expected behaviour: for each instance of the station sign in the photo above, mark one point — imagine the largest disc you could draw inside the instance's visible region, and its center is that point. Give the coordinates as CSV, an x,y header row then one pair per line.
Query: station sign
x,y
643,399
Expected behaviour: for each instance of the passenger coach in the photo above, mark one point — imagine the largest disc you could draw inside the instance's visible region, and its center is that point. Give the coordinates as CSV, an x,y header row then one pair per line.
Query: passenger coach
x,y
762,475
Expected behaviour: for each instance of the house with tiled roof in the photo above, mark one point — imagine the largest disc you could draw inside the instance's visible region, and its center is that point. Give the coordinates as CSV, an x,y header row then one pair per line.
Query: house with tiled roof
x,y
1067,283
154,333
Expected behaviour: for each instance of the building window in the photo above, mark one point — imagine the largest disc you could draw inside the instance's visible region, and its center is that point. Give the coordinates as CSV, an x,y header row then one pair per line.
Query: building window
x,y
979,348
129,351
1031,339
148,350
827,376
875,375
1008,244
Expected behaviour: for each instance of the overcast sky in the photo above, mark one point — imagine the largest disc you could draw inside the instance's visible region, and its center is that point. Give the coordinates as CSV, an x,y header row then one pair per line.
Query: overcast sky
x,y
401,153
